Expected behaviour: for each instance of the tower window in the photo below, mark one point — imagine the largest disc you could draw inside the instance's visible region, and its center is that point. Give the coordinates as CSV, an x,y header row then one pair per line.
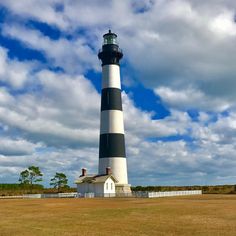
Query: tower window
x,y
110,39
106,186
111,186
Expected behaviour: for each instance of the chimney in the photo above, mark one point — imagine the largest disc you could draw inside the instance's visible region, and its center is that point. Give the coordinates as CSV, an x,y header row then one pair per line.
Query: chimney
x,y
108,171
84,172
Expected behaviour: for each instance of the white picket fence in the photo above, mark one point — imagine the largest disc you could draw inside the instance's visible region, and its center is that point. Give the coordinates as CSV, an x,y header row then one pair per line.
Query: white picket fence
x,y
60,195
91,195
167,194
11,197
33,196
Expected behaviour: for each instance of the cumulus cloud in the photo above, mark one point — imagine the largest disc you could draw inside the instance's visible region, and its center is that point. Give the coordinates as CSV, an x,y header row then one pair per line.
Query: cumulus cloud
x,y
190,98
71,55
14,72
206,160
43,11
141,124
9,147
59,114
179,46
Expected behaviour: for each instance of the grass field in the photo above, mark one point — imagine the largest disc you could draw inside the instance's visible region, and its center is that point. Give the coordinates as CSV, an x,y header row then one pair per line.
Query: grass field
x,y
187,215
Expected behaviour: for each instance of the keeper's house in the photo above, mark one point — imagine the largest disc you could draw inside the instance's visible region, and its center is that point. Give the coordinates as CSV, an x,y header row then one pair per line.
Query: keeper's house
x,y
96,185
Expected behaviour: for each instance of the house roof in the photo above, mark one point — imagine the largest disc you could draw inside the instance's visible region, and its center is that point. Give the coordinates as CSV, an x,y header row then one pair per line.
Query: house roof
x,y
95,179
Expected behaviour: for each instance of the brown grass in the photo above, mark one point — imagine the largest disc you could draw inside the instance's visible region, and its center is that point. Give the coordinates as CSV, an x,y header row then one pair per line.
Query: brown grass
x,y
189,215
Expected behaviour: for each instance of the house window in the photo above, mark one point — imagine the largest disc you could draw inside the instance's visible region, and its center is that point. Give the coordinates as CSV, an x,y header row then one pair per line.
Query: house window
x,y
107,186
111,186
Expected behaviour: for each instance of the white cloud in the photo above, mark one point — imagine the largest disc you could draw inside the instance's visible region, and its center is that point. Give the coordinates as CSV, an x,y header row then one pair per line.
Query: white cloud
x,y
177,163
72,56
141,124
60,112
186,52
44,11
223,24
191,98
14,72
225,127
5,98
206,156
19,147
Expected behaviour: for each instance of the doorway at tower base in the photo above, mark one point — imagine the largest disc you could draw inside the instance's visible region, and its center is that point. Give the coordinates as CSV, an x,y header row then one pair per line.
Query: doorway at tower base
x,y
123,190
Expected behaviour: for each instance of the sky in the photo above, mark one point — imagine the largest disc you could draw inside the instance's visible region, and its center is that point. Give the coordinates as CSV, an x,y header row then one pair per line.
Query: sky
x,y
178,88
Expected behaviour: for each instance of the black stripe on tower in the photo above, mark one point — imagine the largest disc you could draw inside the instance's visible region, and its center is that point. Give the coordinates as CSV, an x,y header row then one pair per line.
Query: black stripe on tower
x,y
110,54
112,145
111,99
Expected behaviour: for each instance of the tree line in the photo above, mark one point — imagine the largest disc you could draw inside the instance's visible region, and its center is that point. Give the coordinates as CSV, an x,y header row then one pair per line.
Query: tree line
x,y
29,182
208,189
33,175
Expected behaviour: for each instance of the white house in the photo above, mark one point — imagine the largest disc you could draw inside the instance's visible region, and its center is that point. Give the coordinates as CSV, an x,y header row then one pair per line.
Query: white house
x,y
96,185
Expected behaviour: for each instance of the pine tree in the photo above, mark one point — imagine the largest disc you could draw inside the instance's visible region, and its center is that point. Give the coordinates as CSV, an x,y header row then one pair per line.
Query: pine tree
x,y
59,181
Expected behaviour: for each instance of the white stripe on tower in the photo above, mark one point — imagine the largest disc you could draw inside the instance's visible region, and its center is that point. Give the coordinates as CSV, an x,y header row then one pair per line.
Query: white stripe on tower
x,y
111,122
118,167
111,76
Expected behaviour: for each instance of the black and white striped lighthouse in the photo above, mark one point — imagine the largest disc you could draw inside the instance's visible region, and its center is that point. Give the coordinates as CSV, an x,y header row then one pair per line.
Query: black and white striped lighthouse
x,y
112,139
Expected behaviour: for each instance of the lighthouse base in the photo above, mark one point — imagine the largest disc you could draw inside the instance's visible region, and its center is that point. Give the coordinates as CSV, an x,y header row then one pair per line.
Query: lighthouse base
x,y
123,190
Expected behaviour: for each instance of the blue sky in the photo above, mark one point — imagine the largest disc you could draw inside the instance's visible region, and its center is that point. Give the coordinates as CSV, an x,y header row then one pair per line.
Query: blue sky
x,y
178,81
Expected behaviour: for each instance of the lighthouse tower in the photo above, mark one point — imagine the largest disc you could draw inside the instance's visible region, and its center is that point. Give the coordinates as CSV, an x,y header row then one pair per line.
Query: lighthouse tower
x,y
112,139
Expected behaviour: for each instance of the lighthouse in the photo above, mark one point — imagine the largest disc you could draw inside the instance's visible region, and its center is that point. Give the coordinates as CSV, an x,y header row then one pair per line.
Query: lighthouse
x,y
112,179
112,139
